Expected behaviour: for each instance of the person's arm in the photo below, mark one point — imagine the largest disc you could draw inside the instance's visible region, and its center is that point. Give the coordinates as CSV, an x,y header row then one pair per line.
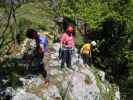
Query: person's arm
x,y
62,40
81,50
73,43
61,45
40,50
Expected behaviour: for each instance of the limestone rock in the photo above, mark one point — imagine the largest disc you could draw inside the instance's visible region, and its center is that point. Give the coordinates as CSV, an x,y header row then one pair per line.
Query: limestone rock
x,y
79,90
25,96
52,93
78,83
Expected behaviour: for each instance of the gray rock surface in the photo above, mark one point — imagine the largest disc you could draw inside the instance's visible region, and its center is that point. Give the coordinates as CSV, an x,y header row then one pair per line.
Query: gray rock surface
x,y
79,90
25,96
79,83
52,93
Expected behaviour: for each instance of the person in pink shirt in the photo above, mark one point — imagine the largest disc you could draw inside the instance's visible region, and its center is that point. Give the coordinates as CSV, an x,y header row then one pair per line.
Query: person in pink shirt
x,y
67,45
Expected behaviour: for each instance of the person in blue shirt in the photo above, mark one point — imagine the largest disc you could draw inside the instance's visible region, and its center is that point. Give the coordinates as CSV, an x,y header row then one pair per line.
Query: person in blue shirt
x,y
41,41
41,48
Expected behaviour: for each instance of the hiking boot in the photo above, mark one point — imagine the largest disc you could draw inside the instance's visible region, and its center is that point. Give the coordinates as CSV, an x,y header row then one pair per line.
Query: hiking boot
x,y
86,65
61,67
70,69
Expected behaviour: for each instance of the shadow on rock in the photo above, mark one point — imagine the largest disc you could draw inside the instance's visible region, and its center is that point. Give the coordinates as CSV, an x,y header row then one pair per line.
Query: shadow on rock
x,y
12,69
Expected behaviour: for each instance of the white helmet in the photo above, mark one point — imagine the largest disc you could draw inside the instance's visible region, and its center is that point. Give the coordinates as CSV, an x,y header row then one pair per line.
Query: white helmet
x,y
93,43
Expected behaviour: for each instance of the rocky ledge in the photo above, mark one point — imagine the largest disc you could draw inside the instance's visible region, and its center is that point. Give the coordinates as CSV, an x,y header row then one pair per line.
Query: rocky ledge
x,y
82,82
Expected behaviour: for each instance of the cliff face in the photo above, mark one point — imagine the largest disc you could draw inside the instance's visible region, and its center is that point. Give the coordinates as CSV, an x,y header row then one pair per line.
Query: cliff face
x,y
80,83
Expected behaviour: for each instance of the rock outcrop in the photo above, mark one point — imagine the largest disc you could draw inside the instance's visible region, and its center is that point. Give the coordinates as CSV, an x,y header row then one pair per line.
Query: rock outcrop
x,y
79,83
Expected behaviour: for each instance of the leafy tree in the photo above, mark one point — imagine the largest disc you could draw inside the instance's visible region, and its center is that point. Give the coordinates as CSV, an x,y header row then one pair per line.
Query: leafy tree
x,y
111,20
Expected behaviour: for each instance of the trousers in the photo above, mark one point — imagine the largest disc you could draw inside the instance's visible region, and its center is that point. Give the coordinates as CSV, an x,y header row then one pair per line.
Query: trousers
x,y
66,57
86,59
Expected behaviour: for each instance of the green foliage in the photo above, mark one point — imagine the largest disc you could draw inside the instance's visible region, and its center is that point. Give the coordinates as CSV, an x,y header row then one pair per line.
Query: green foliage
x,y
88,80
113,22
43,98
35,16
62,91
79,40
